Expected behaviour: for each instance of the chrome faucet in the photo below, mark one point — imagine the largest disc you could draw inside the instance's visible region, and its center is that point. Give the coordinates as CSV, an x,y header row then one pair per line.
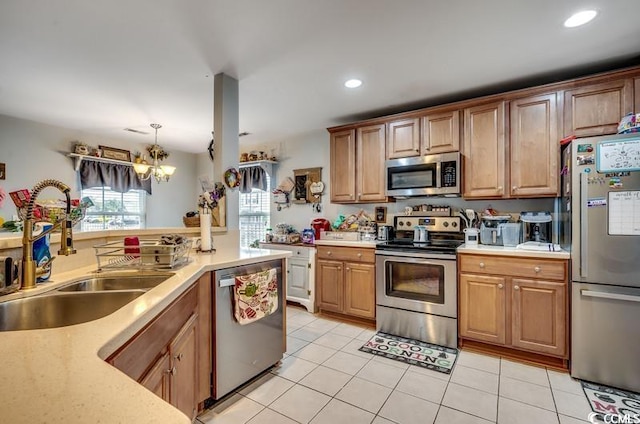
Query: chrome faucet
x,y
30,269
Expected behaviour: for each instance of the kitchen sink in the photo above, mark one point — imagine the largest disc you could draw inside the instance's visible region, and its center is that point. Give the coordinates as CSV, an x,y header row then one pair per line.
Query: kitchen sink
x,y
118,282
61,309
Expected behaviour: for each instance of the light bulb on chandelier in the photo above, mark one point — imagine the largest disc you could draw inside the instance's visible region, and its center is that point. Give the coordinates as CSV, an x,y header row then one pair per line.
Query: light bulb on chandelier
x,y
157,153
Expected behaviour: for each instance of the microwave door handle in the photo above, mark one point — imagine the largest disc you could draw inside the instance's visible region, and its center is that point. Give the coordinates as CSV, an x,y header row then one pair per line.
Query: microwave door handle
x,y
438,175
584,217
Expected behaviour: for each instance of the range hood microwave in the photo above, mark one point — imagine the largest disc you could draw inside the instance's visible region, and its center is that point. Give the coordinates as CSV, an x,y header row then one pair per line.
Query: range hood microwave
x,y
429,175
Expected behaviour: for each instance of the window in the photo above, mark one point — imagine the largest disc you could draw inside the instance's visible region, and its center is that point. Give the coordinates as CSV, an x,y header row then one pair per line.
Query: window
x,y
254,215
113,210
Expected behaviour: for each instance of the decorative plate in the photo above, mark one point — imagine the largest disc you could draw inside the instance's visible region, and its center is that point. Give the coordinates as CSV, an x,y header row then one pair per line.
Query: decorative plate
x,y
232,178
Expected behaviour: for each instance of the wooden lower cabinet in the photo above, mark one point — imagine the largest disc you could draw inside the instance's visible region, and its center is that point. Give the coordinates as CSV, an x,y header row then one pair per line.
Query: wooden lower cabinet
x,y
345,280
515,310
157,379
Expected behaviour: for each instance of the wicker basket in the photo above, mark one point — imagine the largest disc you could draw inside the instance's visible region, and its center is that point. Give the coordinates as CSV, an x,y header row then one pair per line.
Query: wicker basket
x,y
191,221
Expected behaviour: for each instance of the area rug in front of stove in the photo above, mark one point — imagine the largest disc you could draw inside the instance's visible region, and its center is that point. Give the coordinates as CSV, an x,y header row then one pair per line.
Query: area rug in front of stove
x,y
413,352
607,402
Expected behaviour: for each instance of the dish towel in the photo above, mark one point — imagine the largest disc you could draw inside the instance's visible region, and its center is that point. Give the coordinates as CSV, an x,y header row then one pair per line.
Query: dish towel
x,y
255,296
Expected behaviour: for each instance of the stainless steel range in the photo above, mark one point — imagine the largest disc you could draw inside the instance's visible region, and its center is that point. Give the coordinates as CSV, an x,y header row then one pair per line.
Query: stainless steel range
x,y
416,294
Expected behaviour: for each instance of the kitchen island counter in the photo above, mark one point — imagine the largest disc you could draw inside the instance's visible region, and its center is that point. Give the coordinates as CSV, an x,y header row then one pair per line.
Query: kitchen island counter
x,y
59,375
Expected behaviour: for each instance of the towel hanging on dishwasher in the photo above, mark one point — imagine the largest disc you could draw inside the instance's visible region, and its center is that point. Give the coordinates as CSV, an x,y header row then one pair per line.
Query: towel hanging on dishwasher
x,y
255,296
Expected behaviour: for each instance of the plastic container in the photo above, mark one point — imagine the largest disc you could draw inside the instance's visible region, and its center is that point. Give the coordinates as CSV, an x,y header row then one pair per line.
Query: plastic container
x,y
471,236
510,234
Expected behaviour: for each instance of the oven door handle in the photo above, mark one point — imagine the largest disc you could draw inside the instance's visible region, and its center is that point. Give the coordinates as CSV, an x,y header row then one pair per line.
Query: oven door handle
x,y
392,255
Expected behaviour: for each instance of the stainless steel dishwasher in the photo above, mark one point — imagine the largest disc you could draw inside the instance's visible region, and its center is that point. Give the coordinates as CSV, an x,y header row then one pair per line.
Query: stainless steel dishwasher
x,y
241,352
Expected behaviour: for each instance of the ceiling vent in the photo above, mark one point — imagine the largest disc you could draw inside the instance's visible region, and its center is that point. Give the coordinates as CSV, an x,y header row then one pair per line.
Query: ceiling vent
x,y
136,131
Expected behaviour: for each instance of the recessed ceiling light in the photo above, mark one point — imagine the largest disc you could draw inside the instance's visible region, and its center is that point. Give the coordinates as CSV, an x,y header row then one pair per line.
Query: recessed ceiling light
x,y
353,83
580,18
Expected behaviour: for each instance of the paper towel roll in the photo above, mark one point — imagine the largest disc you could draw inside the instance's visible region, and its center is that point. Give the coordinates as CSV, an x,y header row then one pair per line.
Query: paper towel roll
x,y
205,231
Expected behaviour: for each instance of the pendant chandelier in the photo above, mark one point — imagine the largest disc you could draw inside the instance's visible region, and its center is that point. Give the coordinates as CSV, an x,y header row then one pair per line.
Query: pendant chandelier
x,y
157,153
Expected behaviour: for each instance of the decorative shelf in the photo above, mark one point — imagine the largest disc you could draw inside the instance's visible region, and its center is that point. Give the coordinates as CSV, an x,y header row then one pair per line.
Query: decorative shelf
x,y
267,165
79,158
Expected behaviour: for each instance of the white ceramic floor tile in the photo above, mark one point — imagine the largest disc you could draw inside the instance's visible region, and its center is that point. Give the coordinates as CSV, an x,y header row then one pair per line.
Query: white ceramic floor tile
x,y
389,361
301,319
348,330
339,412
366,334
294,344
306,333
478,379
267,388
431,373
352,348
346,362
472,401
268,416
512,412
570,420
381,373
235,410
379,420
528,373
300,403
478,361
292,328
406,409
364,394
323,324
315,353
293,368
326,380
451,416
572,405
334,341
422,386
528,393
563,381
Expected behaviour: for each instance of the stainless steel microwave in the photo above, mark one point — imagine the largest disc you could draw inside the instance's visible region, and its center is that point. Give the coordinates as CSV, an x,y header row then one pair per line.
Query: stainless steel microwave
x,y
429,175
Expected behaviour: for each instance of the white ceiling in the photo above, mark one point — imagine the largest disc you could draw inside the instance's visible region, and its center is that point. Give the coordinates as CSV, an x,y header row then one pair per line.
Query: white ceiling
x,y
102,66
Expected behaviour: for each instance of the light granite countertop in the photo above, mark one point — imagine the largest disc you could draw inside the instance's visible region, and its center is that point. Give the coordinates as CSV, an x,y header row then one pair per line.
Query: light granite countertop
x,y
347,243
59,375
482,249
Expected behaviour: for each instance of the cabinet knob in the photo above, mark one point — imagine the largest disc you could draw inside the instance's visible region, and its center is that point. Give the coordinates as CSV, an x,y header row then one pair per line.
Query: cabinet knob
x,y
179,356
500,188
359,255
329,253
516,287
481,264
347,268
339,268
537,269
171,371
514,188
500,286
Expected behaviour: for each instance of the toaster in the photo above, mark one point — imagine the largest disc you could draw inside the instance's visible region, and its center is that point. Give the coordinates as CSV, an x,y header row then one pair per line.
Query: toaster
x,y
9,275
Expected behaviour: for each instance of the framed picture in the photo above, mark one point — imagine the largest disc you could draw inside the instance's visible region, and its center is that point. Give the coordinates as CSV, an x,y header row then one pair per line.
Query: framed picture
x,y
117,154
381,214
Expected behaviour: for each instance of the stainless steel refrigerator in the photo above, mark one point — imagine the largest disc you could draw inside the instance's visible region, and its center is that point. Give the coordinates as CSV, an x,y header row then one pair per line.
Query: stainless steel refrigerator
x,y
601,226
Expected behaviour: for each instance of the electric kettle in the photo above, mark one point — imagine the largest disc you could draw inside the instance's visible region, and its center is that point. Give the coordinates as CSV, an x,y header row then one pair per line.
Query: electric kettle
x,y
420,234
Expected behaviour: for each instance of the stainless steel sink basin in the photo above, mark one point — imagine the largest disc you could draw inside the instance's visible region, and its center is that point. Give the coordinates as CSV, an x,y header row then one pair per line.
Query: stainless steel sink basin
x,y
118,282
61,309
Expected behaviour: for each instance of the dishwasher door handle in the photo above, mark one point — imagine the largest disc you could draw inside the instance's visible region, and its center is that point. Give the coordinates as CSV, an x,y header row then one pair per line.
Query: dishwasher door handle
x,y
227,282
614,296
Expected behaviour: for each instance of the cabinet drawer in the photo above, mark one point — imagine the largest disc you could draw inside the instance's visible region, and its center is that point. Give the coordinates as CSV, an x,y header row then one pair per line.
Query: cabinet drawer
x,y
513,266
349,254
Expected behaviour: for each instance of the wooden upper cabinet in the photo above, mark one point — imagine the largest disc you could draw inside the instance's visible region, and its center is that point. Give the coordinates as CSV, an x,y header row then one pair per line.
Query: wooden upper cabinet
x,y
484,150
597,109
343,166
403,138
636,96
370,158
534,146
440,132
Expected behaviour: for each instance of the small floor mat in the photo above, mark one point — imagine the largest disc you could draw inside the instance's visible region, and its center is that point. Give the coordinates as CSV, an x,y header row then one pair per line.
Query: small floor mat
x,y
414,352
605,400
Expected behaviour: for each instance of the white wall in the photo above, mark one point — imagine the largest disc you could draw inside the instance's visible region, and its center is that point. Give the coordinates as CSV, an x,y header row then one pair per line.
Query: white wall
x,y
33,152
312,150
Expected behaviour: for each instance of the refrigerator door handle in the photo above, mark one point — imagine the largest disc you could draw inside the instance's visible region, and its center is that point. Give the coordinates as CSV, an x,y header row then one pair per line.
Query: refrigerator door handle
x,y
613,296
583,223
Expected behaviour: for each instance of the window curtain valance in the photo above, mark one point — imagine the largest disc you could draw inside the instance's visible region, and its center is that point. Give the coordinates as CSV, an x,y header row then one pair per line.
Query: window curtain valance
x,y
252,177
120,178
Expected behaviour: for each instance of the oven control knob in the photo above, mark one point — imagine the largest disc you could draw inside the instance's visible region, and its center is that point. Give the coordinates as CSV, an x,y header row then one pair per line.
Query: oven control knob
x,y
445,224
400,223
454,224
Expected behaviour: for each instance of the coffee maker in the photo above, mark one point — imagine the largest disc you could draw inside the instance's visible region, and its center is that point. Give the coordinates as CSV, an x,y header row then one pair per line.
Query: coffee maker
x,y
536,226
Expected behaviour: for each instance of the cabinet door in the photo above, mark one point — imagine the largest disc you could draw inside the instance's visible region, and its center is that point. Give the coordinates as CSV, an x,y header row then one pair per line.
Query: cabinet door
x,y
403,138
330,285
298,278
441,132
539,316
370,150
482,308
484,151
597,109
360,298
636,97
184,368
204,336
158,378
343,166
534,146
